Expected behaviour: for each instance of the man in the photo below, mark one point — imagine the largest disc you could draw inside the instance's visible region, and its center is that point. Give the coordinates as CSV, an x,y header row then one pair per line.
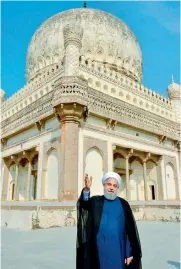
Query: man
x,y
107,236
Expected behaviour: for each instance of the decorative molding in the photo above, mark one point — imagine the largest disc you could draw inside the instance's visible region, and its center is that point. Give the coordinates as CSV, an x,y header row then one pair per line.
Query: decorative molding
x,y
115,134
74,90
126,83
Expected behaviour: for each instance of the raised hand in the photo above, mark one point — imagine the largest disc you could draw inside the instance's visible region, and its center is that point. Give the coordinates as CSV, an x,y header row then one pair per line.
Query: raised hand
x,y
88,182
129,260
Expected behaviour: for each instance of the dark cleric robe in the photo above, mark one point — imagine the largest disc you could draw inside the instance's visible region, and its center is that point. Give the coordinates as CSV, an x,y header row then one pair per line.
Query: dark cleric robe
x,y
106,234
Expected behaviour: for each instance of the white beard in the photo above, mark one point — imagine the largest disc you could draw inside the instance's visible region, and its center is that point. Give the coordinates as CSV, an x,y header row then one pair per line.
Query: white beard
x,y
110,195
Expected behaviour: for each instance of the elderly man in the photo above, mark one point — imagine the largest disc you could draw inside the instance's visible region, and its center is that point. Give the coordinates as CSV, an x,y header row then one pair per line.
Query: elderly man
x,y
107,236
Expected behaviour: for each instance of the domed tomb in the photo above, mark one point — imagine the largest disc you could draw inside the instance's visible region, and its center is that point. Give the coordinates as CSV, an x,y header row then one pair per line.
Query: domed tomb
x,y
106,39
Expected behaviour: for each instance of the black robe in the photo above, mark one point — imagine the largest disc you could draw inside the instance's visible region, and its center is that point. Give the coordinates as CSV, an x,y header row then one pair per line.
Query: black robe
x,y
88,222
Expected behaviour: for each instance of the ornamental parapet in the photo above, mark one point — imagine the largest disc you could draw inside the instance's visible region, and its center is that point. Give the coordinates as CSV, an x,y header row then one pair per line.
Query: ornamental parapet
x,y
74,90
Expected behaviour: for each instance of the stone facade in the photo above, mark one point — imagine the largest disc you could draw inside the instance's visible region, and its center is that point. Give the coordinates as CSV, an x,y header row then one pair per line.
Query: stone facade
x,y
85,110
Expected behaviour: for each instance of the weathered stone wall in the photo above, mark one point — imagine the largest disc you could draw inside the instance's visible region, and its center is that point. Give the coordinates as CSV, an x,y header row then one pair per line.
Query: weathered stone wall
x,y
42,217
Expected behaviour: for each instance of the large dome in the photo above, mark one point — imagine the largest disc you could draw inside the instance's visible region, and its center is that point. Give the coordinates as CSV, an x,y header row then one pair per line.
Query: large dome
x,y
105,38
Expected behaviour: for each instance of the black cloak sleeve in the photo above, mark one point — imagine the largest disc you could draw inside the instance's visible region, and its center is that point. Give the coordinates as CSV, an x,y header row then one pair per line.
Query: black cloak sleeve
x,y
84,226
86,249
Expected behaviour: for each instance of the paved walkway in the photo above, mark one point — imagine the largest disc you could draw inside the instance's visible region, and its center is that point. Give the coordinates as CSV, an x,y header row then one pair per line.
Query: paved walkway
x,y
55,248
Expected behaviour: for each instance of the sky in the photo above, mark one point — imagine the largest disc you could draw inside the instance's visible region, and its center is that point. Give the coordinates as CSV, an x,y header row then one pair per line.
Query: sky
x,y
155,25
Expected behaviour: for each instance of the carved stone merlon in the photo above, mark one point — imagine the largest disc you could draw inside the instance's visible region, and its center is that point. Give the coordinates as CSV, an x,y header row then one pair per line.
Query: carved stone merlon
x,y
162,139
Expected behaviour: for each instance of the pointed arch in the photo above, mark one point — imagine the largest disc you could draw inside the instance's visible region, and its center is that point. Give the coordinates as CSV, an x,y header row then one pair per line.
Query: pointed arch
x,y
94,168
11,181
136,180
170,181
51,176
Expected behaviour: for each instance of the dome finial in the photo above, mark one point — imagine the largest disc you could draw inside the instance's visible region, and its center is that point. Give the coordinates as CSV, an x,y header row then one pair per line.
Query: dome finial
x,y
85,4
172,79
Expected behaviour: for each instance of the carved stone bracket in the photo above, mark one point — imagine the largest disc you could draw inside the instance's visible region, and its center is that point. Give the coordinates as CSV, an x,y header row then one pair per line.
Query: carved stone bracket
x,y
110,124
147,157
39,124
71,112
177,144
162,139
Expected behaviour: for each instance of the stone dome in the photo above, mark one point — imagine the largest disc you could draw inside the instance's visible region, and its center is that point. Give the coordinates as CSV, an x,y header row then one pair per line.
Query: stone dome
x,y
174,90
105,39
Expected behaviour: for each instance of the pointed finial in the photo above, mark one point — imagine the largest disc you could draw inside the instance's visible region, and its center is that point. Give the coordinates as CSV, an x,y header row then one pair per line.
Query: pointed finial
x,y
85,4
172,79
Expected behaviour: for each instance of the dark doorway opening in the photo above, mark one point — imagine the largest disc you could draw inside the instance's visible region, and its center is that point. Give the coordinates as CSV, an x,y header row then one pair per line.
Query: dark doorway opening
x,y
152,187
13,189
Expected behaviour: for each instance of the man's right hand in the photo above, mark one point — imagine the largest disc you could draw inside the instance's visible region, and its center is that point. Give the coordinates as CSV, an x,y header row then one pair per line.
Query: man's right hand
x,y
88,182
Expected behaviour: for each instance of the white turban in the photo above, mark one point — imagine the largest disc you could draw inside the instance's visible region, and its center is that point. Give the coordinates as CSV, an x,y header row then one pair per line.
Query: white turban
x,y
111,175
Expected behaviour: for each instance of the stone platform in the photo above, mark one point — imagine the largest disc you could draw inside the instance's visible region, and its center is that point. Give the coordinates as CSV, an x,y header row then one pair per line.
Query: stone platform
x,y
40,215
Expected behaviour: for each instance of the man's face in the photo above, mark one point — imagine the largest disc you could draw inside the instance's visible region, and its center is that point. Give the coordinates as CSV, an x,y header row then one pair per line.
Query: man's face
x,y
111,185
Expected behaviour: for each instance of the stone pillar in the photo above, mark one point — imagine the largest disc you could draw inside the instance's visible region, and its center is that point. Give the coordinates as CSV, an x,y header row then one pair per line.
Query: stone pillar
x,y
72,41
145,180
127,179
160,181
28,181
40,172
111,148
4,180
70,115
16,183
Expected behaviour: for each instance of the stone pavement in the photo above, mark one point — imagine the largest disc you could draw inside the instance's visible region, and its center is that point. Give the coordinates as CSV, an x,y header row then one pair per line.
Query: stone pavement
x,y
55,248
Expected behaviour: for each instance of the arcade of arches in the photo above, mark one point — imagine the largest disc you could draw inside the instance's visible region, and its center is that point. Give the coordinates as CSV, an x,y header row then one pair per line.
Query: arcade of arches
x,y
141,173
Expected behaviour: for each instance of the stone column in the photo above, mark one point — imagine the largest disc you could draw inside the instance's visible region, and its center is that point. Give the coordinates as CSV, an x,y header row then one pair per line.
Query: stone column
x,y
70,115
40,171
4,180
28,181
70,106
160,177
111,149
127,179
145,180
16,183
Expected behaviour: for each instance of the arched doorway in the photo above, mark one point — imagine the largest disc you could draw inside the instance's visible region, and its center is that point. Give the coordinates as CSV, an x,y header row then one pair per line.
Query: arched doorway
x,y
11,182
94,168
22,179
136,180
34,174
170,182
51,179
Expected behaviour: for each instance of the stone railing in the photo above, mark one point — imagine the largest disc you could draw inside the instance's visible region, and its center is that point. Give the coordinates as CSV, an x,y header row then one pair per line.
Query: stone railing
x,y
46,75
107,72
